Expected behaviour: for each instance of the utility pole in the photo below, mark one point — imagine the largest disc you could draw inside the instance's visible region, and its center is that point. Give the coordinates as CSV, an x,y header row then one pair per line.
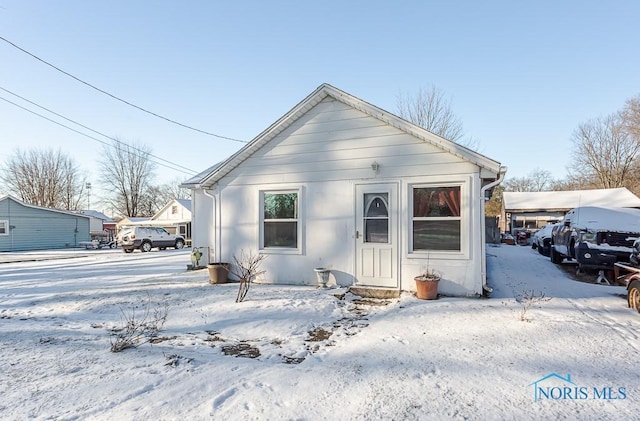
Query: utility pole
x,y
88,186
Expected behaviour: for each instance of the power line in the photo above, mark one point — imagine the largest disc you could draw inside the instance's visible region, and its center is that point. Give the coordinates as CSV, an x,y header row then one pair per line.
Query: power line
x,y
94,131
119,99
190,172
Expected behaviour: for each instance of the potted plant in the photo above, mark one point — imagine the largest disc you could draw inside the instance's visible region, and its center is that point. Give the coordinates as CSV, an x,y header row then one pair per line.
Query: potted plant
x,y
218,272
427,285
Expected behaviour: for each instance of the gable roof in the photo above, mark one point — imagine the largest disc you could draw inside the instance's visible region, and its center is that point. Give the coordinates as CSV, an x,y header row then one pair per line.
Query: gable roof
x,y
197,179
20,202
185,203
97,215
565,200
218,171
133,220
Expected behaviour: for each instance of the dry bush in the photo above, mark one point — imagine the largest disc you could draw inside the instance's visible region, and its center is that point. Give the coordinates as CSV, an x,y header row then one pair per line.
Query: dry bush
x,y
246,269
139,330
527,299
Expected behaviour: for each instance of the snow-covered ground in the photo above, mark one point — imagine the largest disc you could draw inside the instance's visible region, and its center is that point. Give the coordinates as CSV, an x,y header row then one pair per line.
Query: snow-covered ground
x,y
317,356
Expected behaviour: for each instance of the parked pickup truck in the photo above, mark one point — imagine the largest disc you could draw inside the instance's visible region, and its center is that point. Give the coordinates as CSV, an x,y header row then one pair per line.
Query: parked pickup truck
x,y
595,237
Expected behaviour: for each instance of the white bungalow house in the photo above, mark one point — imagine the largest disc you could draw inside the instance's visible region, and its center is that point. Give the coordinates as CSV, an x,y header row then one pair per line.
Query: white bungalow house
x,y
341,184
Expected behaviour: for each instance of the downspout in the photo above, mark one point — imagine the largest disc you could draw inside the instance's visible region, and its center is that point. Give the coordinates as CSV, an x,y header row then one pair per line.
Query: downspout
x,y
213,226
486,289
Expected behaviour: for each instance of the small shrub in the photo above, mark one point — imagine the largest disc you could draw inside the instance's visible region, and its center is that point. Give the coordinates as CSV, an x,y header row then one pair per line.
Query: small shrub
x,y
137,330
246,268
527,299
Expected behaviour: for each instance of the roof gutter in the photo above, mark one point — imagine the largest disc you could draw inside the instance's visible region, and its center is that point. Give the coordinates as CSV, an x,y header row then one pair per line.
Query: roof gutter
x,y
214,211
486,289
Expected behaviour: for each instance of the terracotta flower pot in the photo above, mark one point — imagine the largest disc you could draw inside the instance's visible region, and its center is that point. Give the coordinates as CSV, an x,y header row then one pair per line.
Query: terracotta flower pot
x,y
427,287
218,272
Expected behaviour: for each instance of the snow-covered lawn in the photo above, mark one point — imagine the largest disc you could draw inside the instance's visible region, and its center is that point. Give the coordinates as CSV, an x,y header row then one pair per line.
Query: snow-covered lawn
x,y
316,356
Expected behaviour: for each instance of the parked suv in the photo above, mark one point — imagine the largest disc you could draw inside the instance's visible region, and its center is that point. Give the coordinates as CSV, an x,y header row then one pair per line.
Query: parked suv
x,y
541,240
596,237
146,238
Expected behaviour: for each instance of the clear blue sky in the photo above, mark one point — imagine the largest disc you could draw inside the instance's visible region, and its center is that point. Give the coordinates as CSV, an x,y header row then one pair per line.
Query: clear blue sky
x,y
520,75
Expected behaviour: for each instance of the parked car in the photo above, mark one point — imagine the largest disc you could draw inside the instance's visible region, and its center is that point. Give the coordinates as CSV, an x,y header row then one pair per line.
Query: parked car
x,y
596,237
145,238
541,239
507,239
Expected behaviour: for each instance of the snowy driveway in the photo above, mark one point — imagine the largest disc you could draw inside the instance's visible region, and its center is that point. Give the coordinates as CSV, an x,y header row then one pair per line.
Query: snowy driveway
x,y
300,353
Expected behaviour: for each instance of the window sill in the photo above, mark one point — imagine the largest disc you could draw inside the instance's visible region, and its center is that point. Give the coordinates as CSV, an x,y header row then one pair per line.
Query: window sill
x,y
276,250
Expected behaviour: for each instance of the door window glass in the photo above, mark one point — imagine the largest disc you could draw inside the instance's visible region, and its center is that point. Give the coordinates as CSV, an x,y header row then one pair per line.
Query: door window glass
x,y
376,218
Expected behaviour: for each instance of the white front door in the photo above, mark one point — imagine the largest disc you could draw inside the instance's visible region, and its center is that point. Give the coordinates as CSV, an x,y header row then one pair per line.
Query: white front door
x,y
377,235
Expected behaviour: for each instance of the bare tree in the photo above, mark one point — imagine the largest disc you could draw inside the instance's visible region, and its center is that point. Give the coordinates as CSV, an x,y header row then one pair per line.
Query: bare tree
x,y
127,172
606,151
631,116
151,201
428,108
44,178
574,182
536,180
541,180
155,197
172,190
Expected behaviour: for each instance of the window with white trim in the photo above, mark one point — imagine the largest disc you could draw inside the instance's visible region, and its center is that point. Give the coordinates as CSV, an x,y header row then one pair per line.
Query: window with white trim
x,y
279,220
436,221
4,227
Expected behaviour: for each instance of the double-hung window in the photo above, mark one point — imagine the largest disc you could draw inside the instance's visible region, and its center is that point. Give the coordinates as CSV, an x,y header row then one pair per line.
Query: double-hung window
x,y
436,221
280,224
4,227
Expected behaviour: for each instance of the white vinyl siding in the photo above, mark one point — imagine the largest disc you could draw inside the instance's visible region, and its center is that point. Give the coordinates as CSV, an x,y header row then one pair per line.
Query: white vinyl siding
x,y
334,142
325,149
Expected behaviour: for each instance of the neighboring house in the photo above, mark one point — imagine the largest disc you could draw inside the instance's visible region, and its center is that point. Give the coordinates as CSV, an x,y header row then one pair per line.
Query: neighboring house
x,y
29,227
342,184
132,220
99,221
175,217
532,210
102,228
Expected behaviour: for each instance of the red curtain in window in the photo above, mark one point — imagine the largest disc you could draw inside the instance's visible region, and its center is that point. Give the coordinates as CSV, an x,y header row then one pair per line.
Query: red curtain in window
x,y
424,199
452,198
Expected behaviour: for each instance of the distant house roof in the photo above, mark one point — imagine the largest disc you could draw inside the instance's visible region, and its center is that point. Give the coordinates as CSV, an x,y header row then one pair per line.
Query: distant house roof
x,y
186,203
133,220
566,200
9,197
97,215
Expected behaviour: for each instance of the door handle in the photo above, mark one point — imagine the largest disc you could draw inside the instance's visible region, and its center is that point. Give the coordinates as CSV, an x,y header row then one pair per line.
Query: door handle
x,y
357,234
